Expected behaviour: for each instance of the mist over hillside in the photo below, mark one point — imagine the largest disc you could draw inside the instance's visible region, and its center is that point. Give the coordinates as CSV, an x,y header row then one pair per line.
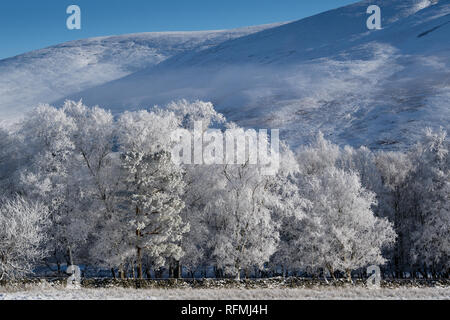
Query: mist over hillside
x,y
327,72
45,75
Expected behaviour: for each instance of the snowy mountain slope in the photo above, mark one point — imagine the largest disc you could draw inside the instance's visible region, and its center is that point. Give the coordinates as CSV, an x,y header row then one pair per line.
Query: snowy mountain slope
x,y
49,74
328,72
319,36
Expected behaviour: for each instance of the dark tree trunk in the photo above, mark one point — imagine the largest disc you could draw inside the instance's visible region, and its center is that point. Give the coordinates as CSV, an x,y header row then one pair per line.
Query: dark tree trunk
x,y
148,273
138,250
177,270
139,263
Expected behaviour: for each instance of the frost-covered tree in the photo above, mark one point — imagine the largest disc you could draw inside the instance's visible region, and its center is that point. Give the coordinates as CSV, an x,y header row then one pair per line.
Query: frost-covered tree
x,y
68,164
190,112
395,168
9,161
93,141
232,208
363,161
23,233
46,174
290,211
154,185
201,182
198,243
248,235
249,209
96,177
431,181
116,197
338,231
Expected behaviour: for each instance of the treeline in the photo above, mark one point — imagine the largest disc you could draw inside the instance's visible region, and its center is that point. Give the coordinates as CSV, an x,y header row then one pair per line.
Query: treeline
x,y
80,186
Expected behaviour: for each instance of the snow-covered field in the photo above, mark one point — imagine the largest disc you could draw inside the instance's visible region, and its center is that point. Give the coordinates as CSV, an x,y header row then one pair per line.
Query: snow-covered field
x,y
349,293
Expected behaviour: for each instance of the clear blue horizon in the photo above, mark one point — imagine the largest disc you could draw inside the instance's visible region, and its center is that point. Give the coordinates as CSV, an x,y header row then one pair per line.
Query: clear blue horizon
x,y
27,25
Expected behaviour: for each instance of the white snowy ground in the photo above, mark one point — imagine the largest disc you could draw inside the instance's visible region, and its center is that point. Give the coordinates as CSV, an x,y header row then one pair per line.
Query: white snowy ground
x,y
350,293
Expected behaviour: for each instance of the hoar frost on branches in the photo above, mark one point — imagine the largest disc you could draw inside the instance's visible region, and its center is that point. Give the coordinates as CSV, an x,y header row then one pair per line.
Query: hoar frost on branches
x,y
432,181
23,226
154,186
108,193
335,228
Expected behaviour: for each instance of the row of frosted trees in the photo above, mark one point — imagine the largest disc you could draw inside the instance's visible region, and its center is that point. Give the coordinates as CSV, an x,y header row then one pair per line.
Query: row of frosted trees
x,y
79,186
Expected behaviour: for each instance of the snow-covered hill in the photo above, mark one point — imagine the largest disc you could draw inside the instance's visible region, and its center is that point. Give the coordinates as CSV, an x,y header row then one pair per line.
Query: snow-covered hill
x,y
329,72
52,73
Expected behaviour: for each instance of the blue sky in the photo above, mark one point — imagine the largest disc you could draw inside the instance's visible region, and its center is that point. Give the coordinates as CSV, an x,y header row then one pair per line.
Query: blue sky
x,y
27,25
